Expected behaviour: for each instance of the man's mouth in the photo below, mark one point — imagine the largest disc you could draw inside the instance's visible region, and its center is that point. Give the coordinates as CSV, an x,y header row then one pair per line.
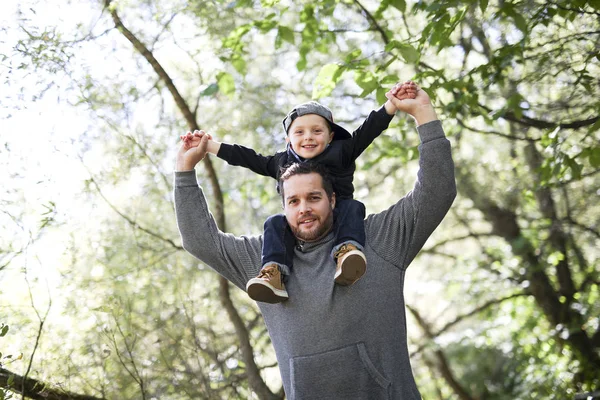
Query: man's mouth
x,y
308,220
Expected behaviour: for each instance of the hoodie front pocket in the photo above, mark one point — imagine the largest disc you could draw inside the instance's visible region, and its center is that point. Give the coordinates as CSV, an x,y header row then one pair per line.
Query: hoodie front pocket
x,y
346,373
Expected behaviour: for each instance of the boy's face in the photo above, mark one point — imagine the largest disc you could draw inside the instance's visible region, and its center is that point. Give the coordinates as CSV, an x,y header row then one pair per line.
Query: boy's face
x,y
309,135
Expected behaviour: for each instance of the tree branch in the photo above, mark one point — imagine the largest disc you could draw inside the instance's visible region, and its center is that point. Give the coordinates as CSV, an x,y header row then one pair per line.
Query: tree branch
x,y
373,22
496,133
469,314
255,381
133,223
38,390
557,237
542,124
505,224
443,364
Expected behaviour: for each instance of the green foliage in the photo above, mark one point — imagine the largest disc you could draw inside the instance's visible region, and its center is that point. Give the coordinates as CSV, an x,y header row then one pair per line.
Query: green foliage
x,y
226,83
325,82
516,86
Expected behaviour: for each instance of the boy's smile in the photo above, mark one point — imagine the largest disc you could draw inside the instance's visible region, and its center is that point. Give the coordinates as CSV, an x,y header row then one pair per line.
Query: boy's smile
x,y
309,135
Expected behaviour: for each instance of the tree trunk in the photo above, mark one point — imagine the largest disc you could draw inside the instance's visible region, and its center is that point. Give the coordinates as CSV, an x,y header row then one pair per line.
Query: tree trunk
x,y
255,381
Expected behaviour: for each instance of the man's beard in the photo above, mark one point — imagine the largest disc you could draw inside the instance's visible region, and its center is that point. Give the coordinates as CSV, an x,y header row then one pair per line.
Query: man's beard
x,y
314,234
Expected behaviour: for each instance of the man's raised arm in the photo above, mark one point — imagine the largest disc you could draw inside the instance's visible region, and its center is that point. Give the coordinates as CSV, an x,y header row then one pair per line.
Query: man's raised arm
x,y
401,231
235,258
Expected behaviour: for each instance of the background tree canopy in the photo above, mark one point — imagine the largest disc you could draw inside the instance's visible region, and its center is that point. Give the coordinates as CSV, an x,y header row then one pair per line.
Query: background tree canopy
x,y
99,300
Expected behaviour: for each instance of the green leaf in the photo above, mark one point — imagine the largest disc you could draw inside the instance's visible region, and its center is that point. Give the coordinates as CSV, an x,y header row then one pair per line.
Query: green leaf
x,y
521,23
594,157
390,79
326,80
3,330
210,89
367,81
380,95
574,166
518,18
233,41
239,63
399,4
483,5
409,53
266,24
308,13
301,64
286,34
226,83
352,56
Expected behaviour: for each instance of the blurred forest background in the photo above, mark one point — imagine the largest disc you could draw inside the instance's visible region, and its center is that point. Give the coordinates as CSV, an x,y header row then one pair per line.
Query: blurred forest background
x,y
98,300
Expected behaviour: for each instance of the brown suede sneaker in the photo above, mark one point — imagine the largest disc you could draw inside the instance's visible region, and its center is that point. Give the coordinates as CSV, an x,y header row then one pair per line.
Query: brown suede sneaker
x,y
268,286
351,265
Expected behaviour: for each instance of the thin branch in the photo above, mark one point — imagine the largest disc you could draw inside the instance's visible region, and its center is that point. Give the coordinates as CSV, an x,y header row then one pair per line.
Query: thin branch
x,y
462,317
478,310
136,375
38,338
496,133
459,239
443,364
577,10
543,124
373,22
133,223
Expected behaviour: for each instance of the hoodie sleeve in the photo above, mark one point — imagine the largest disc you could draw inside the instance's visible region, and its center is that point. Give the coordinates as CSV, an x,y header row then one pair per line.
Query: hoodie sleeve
x,y
235,258
398,233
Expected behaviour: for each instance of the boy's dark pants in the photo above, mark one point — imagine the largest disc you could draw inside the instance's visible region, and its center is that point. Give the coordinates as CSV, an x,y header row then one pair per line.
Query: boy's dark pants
x,y
279,241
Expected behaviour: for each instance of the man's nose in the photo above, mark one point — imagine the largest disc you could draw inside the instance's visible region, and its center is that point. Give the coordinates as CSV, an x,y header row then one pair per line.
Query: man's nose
x,y
304,207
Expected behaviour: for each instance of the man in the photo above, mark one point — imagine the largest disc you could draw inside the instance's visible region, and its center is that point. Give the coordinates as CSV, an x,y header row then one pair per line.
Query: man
x,y
331,341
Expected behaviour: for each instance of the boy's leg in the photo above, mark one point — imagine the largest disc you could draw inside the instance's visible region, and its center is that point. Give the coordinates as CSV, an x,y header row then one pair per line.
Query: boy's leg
x,y
277,256
350,242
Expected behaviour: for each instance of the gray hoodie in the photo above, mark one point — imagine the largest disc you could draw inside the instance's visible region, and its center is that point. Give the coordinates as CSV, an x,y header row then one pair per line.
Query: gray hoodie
x,y
331,341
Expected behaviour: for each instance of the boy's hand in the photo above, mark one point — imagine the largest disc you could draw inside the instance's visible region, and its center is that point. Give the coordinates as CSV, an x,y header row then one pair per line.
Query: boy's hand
x,y
402,91
193,139
419,107
192,150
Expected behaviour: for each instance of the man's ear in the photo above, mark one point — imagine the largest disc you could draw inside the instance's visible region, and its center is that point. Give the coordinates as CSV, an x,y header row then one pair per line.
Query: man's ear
x,y
332,201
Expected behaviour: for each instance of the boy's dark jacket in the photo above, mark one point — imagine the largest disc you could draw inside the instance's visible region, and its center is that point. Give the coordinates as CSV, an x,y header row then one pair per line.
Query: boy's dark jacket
x,y
339,157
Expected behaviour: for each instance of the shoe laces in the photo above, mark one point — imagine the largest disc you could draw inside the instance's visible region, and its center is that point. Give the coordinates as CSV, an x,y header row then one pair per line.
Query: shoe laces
x,y
343,250
268,271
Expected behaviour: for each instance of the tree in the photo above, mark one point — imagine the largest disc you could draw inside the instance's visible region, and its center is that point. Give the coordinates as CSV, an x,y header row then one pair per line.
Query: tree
x,y
512,268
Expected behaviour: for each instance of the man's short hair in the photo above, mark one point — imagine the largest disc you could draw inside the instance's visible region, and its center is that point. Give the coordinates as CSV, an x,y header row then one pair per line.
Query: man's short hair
x,y
305,168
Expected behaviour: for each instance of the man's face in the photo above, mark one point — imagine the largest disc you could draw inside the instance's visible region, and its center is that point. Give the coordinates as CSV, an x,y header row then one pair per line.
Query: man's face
x,y
308,210
309,135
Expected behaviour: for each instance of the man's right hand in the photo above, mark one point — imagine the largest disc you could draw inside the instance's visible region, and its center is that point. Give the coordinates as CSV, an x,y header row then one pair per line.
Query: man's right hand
x,y
192,150
419,107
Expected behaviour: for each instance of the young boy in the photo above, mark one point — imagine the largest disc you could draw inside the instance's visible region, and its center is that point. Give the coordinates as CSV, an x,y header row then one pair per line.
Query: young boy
x,y
313,136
